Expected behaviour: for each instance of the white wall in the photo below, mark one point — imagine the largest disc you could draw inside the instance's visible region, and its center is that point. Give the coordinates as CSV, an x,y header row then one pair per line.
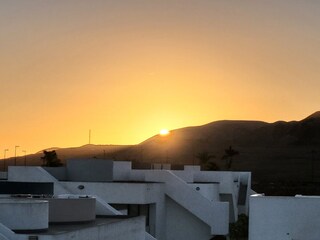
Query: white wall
x,y
294,218
209,191
59,173
72,209
90,170
121,170
214,214
114,229
124,229
195,168
128,193
23,214
181,224
122,193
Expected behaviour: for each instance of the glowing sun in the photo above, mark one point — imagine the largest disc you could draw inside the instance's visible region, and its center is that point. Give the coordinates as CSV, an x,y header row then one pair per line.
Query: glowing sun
x,y
164,132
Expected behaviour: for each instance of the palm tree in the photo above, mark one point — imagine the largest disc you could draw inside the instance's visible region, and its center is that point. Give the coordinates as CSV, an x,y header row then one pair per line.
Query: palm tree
x,y
205,161
229,154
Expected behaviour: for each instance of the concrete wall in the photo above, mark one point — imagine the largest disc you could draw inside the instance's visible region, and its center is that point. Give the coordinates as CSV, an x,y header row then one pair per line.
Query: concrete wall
x,y
284,218
209,191
181,224
186,176
59,173
195,168
22,214
34,174
114,229
121,170
72,209
129,193
215,214
6,233
122,193
90,170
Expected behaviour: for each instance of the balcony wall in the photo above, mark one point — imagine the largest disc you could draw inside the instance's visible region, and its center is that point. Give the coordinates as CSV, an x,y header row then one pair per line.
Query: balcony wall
x,y
71,210
22,214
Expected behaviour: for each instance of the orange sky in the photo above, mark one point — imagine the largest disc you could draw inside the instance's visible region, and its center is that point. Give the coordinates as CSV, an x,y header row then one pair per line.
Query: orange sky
x,y
126,69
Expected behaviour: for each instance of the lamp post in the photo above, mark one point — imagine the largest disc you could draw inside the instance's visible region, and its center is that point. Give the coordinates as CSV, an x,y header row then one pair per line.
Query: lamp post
x,y
4,158
25,157
15,155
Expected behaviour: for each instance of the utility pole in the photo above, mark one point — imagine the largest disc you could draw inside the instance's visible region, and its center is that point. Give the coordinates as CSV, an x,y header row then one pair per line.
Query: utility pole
x,y
89,136
15,155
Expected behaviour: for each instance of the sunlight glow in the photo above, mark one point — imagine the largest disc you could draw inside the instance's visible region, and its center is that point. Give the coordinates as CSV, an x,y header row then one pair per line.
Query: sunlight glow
x,y
164,132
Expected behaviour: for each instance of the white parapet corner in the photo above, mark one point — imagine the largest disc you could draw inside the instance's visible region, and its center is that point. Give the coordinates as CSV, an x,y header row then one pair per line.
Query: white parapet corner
x,y
103,208
149,237
6,233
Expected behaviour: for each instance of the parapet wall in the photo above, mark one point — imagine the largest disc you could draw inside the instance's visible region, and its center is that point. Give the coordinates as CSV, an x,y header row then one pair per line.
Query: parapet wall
x,y
72,210
24,214
90,170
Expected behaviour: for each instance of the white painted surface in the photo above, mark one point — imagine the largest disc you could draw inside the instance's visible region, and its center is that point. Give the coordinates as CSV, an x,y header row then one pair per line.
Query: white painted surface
x,y
24,214
209,191
182,224
90,170
195,168
186,176
6,233
59,173
123,193
34,174
124,229
121,170
38,174
149,237
294,218
151,187
215,214
72,209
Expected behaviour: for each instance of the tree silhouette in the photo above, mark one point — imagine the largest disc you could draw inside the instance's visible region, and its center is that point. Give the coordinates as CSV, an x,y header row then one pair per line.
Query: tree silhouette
x,y
205,161
50,159
229,154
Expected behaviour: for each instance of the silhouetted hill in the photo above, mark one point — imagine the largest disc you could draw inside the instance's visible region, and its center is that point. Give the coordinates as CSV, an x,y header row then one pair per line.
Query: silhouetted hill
x,y
279,151
272,151
86,151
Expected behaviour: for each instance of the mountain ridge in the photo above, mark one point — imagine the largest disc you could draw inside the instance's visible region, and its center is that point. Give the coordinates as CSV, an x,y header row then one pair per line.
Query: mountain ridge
x,y
285,149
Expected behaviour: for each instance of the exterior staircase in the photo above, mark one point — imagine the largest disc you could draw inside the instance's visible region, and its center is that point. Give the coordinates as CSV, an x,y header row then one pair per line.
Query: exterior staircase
x,y
215,214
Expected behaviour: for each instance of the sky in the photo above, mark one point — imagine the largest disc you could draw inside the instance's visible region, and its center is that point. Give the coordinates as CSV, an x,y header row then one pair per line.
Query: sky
x,y
127,68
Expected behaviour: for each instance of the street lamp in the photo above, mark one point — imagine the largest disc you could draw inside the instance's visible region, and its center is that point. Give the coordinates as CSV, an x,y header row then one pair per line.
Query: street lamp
x,y
15,155
25,157
4,159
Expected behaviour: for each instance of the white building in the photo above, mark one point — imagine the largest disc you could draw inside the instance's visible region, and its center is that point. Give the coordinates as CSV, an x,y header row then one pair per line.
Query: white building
x,y
187,204
285,218
43,217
